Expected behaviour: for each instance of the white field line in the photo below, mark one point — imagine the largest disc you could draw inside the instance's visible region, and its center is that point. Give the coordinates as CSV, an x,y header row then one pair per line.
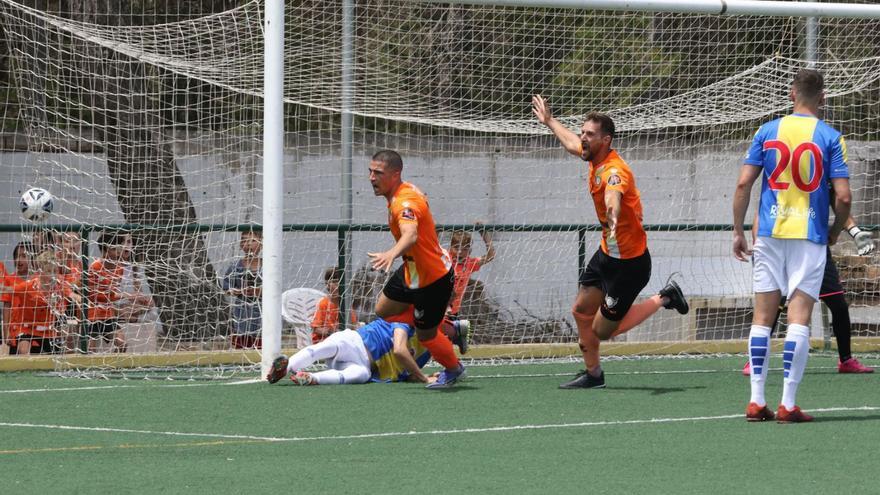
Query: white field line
x,y
249,381
391,434
113,387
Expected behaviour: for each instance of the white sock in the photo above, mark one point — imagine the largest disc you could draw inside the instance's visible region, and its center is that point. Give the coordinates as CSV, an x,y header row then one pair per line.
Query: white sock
x,y
759,358
794,358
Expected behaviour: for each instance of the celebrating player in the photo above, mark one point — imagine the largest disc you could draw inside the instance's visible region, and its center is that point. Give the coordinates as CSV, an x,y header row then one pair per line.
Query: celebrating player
x,y
425,280
621,267
798,154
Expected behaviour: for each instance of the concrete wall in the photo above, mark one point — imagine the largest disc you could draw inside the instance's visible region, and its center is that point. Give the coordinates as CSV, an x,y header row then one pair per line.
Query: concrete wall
x,y
516,181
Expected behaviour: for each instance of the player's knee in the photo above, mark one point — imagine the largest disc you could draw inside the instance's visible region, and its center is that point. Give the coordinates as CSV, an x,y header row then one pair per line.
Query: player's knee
x,y
581,317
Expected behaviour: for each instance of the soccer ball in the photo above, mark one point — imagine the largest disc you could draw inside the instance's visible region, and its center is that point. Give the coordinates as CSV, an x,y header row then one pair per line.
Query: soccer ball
x,y
36,204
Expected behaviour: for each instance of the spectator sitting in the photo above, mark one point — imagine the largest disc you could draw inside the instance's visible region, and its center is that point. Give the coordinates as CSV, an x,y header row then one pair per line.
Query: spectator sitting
x,y
46,239
38,306
22,255
326,320
244,282
134,301
105,276
71,269
464,264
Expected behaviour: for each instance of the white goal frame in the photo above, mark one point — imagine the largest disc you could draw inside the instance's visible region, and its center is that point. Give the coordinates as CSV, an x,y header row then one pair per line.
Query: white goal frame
x,y
273,124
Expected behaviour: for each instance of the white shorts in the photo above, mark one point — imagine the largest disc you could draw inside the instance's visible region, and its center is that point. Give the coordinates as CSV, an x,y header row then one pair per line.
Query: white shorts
x,y
350,350
787,265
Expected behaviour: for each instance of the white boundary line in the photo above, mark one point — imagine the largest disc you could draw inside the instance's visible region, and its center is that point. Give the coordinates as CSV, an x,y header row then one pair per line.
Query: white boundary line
x,y
392,434
156,384
146,384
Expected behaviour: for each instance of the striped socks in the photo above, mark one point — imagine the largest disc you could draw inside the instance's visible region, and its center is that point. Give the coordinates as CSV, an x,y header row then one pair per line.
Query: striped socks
x,y
794,360
759,354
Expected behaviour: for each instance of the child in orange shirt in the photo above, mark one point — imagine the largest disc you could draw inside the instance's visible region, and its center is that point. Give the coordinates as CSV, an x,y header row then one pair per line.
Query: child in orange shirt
x,y
326,320
105,275
22,261
464,264
38,306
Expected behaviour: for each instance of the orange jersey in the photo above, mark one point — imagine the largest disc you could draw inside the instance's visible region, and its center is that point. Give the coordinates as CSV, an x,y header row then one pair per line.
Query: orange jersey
x,y
426,261
615,175
463,272
73,274
327,316
103,290
34,308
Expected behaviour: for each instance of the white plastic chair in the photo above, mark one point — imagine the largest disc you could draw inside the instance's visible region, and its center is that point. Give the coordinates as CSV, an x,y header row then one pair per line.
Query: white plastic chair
x,y
298,307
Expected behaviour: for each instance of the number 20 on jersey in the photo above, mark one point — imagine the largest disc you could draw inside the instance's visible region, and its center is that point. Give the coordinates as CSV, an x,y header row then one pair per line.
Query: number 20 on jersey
x,y
788,158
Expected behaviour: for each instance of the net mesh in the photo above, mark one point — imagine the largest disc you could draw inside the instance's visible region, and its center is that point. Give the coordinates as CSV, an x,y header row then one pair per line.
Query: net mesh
x,y
153,119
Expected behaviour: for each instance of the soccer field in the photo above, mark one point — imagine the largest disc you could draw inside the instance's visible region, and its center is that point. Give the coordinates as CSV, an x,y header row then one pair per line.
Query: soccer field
x,y
662,426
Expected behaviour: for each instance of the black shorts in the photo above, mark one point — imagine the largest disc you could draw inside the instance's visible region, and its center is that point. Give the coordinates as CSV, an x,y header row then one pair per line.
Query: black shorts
x,y
831,279
105,329
620,280
430,302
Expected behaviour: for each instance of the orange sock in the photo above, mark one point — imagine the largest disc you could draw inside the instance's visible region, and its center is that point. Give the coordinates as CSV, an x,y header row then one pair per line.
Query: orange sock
x,y
638,313
441,350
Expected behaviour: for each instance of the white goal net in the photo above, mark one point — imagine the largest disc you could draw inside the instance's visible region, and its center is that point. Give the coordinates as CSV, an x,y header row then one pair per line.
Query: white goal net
x,y
148,123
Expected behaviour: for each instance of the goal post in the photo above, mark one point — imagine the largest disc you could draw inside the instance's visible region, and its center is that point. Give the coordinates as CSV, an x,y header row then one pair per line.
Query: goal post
x,y
273,181
190,127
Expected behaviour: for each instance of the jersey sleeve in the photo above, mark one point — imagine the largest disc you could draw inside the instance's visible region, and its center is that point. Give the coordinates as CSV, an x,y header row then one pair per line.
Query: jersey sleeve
x,y
615,179
755,155
839,167
406,211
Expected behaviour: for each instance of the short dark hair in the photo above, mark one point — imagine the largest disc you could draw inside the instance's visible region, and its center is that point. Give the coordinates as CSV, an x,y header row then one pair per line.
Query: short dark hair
x,y
390,158
605,122
332,273
251,231
808,85
109,238
27,246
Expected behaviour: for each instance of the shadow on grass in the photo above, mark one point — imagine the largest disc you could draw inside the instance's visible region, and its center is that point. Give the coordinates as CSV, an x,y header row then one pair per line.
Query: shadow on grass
x,y
659,390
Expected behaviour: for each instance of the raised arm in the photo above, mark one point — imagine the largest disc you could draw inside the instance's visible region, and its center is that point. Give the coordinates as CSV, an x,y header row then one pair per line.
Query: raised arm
x,y
487,240
570,141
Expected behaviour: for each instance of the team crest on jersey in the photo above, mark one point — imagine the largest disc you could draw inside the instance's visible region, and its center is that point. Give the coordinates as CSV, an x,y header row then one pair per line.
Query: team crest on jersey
x,y
614,180
407,214
610,302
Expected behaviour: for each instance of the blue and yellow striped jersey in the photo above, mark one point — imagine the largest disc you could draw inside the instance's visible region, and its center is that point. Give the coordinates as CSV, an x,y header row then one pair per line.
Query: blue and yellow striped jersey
x,y
800,154
378,337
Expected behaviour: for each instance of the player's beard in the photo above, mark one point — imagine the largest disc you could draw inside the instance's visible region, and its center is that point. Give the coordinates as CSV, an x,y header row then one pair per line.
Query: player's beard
x,y
585,151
